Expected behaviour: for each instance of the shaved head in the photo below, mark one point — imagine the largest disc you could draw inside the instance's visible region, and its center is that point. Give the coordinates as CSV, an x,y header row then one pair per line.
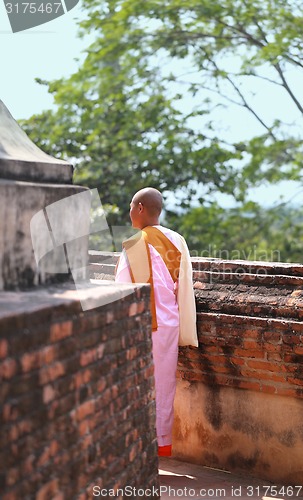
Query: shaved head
x,y
151,199
145,208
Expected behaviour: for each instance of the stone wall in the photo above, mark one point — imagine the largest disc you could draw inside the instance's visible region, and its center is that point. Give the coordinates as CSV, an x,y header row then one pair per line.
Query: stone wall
x,y
19,202
77,394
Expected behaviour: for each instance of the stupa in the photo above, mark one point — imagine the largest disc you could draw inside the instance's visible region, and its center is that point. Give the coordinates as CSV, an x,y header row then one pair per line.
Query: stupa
x,y
30,182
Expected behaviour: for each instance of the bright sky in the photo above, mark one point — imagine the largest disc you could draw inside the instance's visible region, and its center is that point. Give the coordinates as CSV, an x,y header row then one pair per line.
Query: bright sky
x,y
47,51
50,51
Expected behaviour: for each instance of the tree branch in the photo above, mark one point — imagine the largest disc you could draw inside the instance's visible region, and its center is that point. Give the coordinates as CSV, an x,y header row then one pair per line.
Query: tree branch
x,y
244,102
240,29
287,88
287,57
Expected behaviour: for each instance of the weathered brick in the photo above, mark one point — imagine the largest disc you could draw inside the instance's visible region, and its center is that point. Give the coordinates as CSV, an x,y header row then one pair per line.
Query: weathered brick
x,y
274,356
51,373
88,321
48,490
297,327
82,377
141,306
237,361
3,348
10,412
269,389
59,331
296,380
83,410
30,361
12,476
48,452
59,496
30,339
293,358
290,391
265,365
291,339
268,348
19,429
251,345
61,406
110,317
49,394
89,356
28,465
258,354
8,368
272,337
12,495
250,332
133,309
246,384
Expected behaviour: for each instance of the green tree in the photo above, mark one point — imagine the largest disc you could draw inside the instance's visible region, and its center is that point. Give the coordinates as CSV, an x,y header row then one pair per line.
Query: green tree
x,y
116,123
227,46
249,232
142,108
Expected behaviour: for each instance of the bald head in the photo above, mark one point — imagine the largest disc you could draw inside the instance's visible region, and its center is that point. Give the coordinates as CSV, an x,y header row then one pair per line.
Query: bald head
x,y
151,199
146,207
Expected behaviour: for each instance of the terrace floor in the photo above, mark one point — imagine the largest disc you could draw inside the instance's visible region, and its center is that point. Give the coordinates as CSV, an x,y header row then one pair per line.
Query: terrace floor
x,y
183,480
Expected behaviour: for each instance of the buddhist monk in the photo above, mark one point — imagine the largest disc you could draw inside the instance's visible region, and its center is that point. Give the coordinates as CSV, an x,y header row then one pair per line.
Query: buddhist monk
x,y
159,256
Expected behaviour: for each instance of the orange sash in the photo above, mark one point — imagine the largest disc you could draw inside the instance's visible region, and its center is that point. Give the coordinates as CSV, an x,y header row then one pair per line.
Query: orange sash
x,y
139,260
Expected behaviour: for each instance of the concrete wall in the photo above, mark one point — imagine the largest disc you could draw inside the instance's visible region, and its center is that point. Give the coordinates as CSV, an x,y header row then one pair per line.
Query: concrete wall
x,y
19,202
76,394
238,430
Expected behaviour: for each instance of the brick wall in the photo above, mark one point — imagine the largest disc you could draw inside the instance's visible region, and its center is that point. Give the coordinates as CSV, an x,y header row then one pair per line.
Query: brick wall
x,y
250,327
249,321
259,354
239,401
244,384
77,395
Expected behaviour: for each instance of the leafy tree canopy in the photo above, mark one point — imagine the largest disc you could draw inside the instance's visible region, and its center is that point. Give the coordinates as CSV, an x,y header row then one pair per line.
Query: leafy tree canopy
x,y
226,47
143,108
249,232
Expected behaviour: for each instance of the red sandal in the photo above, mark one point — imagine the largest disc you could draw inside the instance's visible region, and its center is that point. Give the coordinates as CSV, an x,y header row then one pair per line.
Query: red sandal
x,y
164,451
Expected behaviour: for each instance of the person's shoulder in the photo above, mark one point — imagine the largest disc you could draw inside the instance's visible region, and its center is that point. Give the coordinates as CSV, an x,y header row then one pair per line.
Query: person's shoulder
x,y
168,231
172,235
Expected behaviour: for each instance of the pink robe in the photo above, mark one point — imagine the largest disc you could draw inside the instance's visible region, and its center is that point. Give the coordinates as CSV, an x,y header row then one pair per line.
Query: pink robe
x,y
164,339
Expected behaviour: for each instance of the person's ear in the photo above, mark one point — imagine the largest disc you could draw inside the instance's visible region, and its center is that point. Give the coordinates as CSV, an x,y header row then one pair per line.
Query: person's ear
x,y
140,207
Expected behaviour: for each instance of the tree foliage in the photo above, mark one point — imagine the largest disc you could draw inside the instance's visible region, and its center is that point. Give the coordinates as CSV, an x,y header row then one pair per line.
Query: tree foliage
x,y
226,46
144,108
249,232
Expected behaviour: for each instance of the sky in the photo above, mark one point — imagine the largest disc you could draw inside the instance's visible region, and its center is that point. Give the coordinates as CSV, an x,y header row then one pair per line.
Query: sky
x,y
51,51
48,51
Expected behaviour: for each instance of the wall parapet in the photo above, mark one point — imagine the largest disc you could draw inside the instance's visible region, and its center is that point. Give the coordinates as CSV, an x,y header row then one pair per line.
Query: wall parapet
x,y
77,394
249,318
